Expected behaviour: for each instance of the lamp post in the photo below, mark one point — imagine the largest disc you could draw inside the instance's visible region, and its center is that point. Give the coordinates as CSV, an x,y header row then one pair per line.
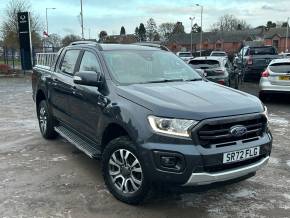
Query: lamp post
x,y
191,22
82,20
201,12
287,35
46,9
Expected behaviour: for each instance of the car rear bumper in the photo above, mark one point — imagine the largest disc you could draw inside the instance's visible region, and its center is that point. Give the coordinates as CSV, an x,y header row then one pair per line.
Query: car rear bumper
x,y
208,178
267,86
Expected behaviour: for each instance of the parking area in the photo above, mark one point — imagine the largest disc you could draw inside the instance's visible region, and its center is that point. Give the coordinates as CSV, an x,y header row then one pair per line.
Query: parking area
x,y
41,178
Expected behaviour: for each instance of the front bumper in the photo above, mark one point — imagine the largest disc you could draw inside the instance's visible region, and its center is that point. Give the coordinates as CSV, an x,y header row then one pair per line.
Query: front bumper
x,y
202,165
208,178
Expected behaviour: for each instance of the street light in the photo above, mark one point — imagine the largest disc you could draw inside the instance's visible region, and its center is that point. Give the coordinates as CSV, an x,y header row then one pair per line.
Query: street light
x,y
201,12
191,21
287,33
47,19
82,20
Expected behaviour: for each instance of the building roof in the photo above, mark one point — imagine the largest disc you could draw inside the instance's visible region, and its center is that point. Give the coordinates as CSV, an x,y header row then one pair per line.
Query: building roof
x,y
281,32
212,37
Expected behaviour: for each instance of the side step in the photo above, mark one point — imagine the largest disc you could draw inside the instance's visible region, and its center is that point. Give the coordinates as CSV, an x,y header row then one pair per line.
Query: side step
x,y
81,144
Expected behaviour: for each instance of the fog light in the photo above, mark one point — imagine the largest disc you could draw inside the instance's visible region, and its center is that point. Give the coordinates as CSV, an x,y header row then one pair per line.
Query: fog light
x,y
168,161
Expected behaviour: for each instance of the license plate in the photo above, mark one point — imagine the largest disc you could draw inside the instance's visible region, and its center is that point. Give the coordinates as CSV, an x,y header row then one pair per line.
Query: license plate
x,y
241,155
284,77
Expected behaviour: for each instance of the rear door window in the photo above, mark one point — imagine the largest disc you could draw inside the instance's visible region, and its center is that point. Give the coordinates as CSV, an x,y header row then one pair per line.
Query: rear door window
x,y
69,61
280,68
204,64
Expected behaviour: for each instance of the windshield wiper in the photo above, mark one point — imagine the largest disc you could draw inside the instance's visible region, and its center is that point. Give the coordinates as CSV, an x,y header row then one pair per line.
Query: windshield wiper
x,y
196,79
165,81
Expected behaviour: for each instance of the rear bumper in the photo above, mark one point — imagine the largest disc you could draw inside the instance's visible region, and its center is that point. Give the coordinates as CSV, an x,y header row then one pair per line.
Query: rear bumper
x,y
267,87
208,178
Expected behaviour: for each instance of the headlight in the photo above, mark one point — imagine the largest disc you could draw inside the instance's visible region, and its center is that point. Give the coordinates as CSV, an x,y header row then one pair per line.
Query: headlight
x,y
176,127
266,112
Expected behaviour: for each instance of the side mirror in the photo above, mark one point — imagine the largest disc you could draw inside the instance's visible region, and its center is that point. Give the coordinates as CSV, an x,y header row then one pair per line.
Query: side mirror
x,y
88,78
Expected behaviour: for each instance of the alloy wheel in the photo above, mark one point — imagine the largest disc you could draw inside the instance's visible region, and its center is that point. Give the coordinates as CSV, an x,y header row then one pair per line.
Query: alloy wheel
x,y
125,171
43,119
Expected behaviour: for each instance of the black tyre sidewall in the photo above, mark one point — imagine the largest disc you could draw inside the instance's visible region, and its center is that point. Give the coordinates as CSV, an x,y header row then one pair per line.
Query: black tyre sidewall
x,y
114,145
49,133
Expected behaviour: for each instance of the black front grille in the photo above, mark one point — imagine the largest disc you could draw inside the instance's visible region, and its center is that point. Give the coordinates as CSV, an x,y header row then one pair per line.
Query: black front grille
x,y
218,133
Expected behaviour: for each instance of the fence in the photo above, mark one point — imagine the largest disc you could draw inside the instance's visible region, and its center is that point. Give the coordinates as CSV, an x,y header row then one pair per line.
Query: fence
x,y
12,58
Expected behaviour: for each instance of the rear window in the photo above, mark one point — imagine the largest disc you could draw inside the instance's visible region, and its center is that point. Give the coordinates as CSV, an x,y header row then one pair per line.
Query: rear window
x,y
218,54
204,64
184,55
280,68
263,51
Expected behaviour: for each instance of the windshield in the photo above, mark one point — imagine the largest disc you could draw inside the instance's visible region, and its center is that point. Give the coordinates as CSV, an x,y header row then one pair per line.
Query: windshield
x,y
183,55
204,64
133,66
280,68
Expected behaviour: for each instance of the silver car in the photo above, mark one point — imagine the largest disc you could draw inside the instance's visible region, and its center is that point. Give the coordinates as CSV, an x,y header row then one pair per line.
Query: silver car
x,y
276,78
215,69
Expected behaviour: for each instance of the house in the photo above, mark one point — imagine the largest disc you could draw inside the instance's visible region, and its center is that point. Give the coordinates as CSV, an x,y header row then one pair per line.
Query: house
x,y
230,42
277,38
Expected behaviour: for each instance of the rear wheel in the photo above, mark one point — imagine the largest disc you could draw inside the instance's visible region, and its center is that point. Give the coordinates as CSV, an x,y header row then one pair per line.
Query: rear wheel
x,y
262,96
123,171
46,121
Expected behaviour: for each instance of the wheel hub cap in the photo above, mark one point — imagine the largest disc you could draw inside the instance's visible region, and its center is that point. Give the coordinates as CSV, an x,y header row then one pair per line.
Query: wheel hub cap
x,y
125,171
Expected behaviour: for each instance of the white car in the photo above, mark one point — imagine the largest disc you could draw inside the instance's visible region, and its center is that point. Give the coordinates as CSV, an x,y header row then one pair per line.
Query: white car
x,y
186,56
218,54
276,78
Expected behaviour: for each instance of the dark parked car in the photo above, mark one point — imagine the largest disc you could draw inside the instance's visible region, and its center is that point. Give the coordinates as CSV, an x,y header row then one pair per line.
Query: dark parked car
x,y
150,118
252,61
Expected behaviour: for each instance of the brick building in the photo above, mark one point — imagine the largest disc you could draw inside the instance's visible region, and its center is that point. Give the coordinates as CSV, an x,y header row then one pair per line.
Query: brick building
x,y
230,42
277,38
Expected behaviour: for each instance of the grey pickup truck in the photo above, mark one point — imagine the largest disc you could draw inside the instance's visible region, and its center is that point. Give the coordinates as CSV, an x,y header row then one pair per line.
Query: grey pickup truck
x,y
253,60
150,118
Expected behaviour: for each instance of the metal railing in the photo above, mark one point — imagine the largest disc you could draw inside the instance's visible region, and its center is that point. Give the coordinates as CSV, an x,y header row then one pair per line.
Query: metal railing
x,y
45,59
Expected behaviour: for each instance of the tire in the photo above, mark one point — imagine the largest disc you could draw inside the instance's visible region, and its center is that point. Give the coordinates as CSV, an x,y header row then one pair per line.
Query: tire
x,y
124,177
46,121
262,96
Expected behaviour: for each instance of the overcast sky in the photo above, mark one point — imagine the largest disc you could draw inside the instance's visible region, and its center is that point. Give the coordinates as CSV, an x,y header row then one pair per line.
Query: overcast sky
x,y
110,15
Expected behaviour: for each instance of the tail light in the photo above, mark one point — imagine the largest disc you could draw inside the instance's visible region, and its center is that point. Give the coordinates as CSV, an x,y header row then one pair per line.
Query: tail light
x,y
250,60
222,82
265,73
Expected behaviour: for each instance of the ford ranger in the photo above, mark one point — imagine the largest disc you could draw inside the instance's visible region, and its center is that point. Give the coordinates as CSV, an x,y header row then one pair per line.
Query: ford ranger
x,y
149,117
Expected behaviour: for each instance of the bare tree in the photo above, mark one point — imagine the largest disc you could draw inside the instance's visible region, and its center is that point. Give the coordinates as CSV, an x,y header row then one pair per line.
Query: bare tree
x,y
229,22
69,39
151,29
165,30
9,26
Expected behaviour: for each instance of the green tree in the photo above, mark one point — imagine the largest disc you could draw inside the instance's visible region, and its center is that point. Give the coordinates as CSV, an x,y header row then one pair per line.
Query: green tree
x,y
122,31
142,32
9,24
136,31
270,24
102,36
178,28
69,39
165,30
196,28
